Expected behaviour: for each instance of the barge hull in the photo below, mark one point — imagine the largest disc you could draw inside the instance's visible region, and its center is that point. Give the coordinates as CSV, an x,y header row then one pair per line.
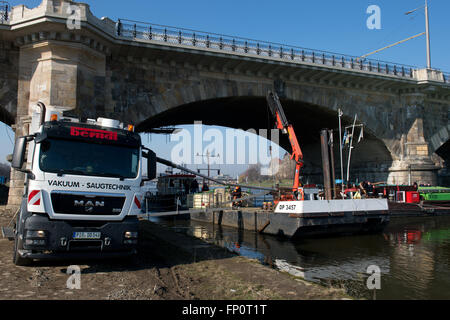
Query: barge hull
x,y
295,225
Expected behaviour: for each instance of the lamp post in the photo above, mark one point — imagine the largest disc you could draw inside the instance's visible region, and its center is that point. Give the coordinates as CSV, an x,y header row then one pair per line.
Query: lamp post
x,y
427,27
427,31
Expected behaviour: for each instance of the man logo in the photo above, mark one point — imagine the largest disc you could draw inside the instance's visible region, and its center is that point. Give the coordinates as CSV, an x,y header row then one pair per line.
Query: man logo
x,y
88,205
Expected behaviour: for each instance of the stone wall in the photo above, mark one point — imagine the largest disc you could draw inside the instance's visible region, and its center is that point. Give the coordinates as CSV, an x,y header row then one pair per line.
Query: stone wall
x,y
9,60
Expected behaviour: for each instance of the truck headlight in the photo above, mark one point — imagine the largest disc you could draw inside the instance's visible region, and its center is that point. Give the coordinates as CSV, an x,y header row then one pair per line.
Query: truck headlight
x,y
35,234
130,235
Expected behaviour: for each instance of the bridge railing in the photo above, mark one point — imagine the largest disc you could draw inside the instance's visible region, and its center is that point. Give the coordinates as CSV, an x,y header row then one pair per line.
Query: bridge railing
x,y
4,11
147,31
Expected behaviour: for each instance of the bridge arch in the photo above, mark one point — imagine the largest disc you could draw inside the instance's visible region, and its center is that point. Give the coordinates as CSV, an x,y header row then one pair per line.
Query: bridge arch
x,y
145,108
370,161
440,142
440,145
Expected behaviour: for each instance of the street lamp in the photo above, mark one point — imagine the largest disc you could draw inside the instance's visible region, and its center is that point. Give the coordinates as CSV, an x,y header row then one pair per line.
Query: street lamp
x,y
427,32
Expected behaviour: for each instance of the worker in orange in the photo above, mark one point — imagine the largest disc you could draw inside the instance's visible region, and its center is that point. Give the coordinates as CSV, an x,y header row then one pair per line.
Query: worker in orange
x,y
237,193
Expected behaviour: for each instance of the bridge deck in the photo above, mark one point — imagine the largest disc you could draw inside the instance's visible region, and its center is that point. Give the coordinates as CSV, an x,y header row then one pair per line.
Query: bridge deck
x,y
141,31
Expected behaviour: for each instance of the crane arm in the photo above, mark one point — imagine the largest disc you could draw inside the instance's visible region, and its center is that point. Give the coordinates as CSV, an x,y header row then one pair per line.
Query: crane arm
x,y
282,123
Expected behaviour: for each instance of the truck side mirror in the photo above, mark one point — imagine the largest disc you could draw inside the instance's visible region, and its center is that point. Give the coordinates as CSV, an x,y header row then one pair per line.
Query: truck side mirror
x,y
19,153
151,163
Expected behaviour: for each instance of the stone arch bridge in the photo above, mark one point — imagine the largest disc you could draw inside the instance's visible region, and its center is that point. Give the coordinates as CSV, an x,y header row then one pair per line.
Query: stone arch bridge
x,y
152,76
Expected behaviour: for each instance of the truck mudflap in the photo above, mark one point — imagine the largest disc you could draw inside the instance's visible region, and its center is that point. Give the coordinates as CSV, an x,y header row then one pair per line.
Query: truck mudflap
x,y
44,238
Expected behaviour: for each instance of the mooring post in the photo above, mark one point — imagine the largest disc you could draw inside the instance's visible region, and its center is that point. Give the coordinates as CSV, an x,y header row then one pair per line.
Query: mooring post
x,y
325,163
333,176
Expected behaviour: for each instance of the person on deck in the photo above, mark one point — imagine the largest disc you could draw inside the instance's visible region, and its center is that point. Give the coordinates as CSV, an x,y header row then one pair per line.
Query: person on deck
x,y
237,193
369,188
362,188
194,186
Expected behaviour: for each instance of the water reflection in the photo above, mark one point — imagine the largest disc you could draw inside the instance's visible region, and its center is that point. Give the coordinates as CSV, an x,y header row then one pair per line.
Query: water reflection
x,y
413,255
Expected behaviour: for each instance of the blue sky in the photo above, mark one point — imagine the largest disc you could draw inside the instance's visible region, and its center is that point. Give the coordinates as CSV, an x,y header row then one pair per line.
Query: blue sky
x,y
336,26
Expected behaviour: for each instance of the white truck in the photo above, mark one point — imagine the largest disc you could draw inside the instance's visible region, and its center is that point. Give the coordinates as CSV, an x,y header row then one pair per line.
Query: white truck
x,y
82,189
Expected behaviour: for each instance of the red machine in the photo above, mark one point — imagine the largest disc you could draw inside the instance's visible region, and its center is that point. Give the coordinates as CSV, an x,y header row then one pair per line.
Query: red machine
x,y
412,197
282,123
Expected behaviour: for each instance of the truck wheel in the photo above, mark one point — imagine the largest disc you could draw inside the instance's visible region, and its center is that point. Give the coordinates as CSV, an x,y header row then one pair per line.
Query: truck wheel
x,y
18,260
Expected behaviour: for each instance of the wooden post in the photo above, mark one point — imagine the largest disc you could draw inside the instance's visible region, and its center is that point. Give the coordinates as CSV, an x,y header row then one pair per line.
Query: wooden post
x,y
333,176
325,163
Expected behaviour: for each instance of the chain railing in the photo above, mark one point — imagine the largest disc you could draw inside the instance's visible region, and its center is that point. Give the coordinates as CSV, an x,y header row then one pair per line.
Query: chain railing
x,y
181,36
4,11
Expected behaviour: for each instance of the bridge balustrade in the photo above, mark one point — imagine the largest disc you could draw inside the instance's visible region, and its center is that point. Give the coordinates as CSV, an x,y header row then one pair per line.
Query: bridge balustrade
x,y
145,31
4,12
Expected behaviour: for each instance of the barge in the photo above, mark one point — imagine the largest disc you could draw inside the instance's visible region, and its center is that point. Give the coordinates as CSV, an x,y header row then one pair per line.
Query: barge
x,y
171,194
307,218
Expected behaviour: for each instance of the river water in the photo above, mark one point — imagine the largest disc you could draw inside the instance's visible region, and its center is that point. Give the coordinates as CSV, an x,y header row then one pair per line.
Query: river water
x,y
413,255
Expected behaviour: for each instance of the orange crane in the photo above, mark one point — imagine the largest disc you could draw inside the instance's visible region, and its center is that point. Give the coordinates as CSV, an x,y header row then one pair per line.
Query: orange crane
x,y
282,123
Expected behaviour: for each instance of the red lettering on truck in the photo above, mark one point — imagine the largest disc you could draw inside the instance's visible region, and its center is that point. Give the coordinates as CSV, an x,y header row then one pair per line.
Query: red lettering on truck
x,y
93,133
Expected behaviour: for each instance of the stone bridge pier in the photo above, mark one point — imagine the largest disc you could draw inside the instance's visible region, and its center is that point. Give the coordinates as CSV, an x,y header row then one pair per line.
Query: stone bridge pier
x,y
91,71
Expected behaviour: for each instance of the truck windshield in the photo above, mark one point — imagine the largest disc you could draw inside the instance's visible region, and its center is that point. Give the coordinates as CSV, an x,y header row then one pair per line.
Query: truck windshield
x,y
91,159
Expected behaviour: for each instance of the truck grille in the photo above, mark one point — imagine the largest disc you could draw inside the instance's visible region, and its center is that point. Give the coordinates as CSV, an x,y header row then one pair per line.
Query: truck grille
x,y
87,205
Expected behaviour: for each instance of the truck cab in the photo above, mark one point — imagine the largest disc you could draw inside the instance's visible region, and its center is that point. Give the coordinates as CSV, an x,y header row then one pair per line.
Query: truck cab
x,y
82,192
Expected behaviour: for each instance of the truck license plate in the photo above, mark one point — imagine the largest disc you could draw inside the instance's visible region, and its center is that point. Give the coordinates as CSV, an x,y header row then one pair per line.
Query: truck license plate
x,y
86,235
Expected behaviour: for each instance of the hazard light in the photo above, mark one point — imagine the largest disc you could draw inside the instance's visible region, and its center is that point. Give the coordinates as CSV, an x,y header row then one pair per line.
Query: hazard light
x,y
54,117
130,127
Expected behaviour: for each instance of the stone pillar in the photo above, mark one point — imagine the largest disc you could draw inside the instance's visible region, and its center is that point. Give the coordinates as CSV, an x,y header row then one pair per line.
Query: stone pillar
x,y
64,76
17,178
414,163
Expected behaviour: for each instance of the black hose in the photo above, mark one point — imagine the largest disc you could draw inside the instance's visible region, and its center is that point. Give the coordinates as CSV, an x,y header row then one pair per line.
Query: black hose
x,y
173,165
